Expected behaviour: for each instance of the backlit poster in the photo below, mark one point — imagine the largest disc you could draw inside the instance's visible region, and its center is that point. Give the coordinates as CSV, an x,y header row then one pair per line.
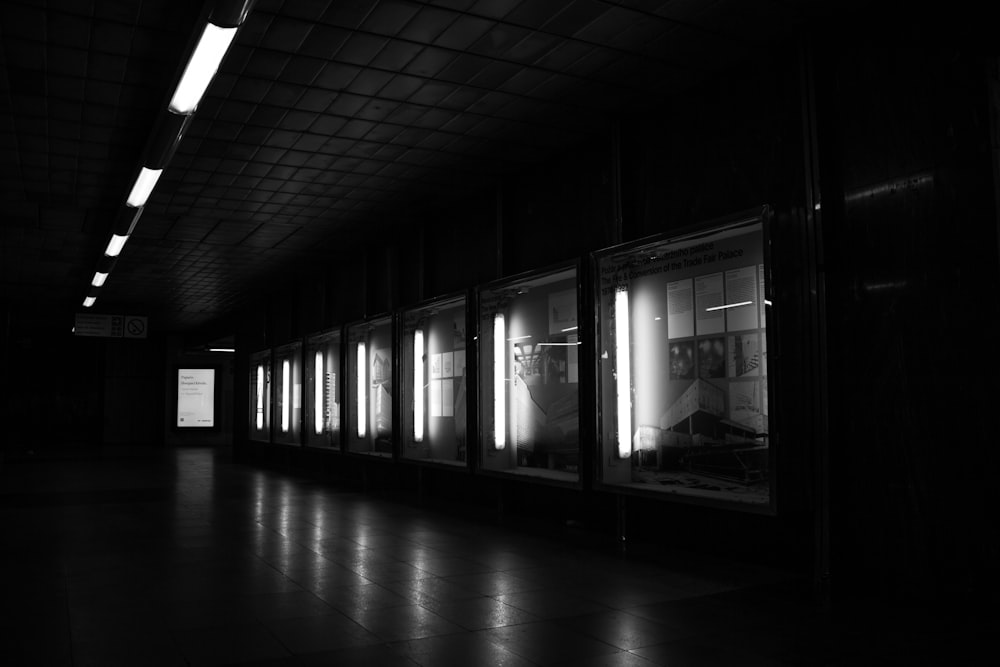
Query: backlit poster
x,y
196,398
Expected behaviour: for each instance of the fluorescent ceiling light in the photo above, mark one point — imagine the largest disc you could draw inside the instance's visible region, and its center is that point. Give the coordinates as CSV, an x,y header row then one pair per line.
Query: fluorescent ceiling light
x,y
115,245
729,305
89,301
570,329
144,185
558,344
221,349
520,338
99,279
202,66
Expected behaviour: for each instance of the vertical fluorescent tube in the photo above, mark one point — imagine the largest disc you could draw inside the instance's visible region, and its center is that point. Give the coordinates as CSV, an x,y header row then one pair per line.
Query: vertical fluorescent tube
x,y
418,385
362,387
204,62
286,388
499,393
623,373
260,396
318,393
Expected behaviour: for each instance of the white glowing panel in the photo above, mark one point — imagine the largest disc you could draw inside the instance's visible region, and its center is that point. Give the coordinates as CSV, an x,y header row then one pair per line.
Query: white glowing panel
x,y
89,301
418,385
318,393
499,371
196,397
362,386
143,187
260,396
115,245
99,279
286,377
623,373
204,62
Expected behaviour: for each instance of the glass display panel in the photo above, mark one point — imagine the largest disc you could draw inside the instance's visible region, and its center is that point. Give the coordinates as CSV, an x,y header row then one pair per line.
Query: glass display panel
x,y
434,390
260,396
195,398
288,394
529,376
683,379
322,390
370,391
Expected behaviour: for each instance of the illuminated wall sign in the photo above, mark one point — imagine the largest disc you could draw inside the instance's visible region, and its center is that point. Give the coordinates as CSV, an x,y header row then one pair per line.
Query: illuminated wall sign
x,y
195,398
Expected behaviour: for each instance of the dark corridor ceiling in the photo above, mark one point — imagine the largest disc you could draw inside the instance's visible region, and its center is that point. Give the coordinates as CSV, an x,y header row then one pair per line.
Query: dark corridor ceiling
x,y
327,118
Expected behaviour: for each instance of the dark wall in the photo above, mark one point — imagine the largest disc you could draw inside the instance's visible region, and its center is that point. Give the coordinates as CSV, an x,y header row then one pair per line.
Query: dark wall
x,y
912,264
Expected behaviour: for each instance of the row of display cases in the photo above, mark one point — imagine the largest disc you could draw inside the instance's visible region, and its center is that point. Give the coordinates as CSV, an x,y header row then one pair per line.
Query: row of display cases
x,y
679,360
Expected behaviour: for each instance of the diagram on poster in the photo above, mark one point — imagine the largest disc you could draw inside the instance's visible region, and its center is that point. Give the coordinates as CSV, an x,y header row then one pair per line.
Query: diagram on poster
x,y
447,364
741,298
707,299
760,295
680,309
744,355
435,398
744,404
447,398
436,366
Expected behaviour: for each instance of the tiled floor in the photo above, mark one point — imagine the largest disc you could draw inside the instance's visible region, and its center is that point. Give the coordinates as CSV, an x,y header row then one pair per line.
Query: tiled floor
x,y
184,558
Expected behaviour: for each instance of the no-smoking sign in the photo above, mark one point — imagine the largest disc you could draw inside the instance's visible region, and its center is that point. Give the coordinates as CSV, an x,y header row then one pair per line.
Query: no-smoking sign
x,y
135,326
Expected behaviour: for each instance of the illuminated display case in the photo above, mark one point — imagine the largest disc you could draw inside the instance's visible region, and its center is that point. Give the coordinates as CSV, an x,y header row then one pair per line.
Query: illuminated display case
x,y
369,351
322,403
287,374
682,364
434,390
260,396
529,375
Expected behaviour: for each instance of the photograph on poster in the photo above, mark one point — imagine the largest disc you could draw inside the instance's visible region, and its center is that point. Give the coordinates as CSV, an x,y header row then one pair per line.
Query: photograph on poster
x,y
712,357
698,385
682,360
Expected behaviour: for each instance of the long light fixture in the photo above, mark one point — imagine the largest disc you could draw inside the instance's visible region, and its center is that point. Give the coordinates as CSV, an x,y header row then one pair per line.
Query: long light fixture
x,y
204,63
362,387
115,245
499,371
318,393
144,184
224,20
418,385
260,396
99,279
286,388
623,384
729,305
